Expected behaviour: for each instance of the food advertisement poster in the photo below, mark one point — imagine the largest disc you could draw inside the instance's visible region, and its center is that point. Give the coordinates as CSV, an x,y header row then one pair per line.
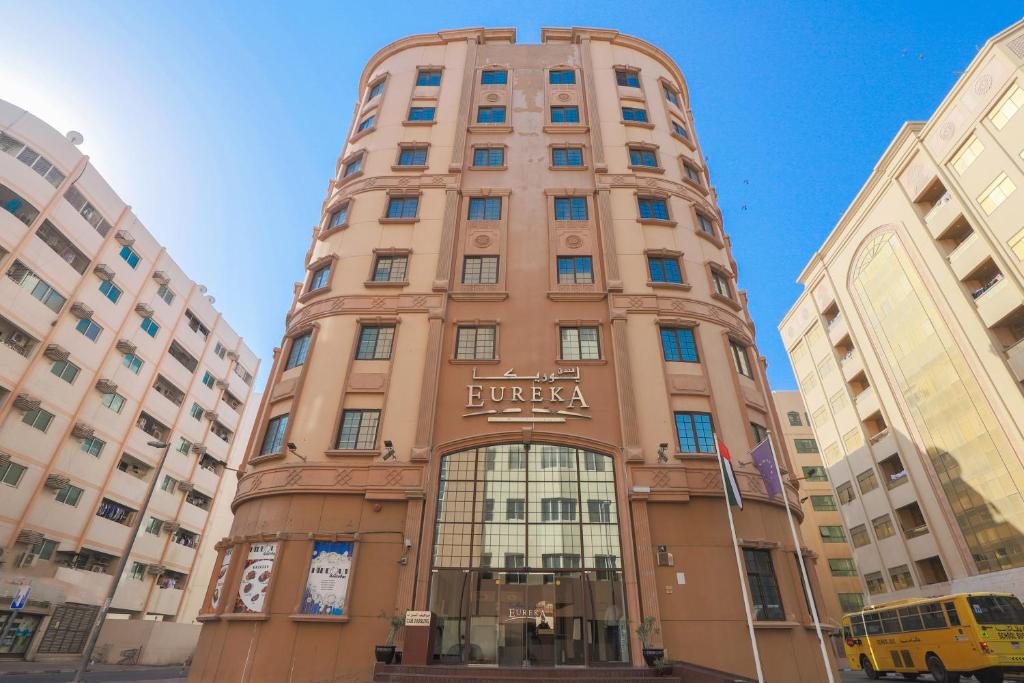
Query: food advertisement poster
x,y
252,587
222,575
327,583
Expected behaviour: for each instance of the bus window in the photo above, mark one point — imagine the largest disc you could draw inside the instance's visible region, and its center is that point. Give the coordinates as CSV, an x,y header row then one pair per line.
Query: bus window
x,y
890,623
857,622
954,618
932,617
997,609
910,619
873,624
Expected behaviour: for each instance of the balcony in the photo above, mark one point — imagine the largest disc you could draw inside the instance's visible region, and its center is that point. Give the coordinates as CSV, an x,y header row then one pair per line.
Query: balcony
x,y
166,601
90,586
131,593
153,427
1015,356
851,364
184,358
968,256
206,480
911,520
108,533
16,347
192,516
997,302
893,472
867,402
941,214
835,324
127,486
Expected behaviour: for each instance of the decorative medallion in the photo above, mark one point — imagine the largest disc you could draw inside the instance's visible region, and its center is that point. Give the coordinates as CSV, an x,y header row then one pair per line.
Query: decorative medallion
x,y
983,85
574,241
946,130
482,240
404,182
493,97
564,97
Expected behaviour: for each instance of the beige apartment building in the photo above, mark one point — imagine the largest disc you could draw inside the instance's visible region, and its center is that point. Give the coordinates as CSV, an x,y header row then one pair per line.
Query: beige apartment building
x,y
822,525
106,347
496,397
907,345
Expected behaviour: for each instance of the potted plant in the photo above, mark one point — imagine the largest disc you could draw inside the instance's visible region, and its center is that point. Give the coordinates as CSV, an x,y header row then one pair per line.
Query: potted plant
x,y
385,653
646,631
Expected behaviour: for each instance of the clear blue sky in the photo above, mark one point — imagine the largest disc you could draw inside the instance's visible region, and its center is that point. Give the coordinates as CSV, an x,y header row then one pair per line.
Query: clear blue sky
x,y
220,122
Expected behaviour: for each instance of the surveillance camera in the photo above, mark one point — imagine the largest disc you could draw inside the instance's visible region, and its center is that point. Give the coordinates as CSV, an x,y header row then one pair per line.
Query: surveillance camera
x,y
388,444
663,445
408,544
292,446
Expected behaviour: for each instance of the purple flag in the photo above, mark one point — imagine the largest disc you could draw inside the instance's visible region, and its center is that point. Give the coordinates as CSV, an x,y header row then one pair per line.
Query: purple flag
x,y
764,460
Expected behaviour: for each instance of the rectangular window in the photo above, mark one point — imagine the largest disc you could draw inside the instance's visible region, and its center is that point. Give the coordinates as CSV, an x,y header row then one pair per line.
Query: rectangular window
x,y
996,193
66,370
153,526
571,209
814,473
412,156
87,210
490,115
475,343
428,77
1006,107
352,167
375,90
967,155
759,432
375,342
220,350
132,362
842,566
390,268
366,124
705,224
901,578
489,156
183,445
670,95
740,359
653,208
883,527
196,325
867,481
484,209
565,114
494,77
273,438
562,77
823,503
113,401
845,493
208,380
692,174
859,536
421,113
575,270
130,256
515,510
62,246
403,207
851,602
695,432
297,354
723,286
138,570
558,509
634,114
93,446
165,293
764,589
680,130
339,217
642,156
196,411
149,326
805,445
358,429
480,270
664,269
876,584
69,495
678,345
320,278
11,473
168,484
627,78
566,156
39,419
31,283
580,343
45,549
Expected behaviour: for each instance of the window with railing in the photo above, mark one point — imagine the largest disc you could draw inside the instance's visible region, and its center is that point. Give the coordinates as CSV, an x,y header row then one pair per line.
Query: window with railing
x,y
31,158
178,353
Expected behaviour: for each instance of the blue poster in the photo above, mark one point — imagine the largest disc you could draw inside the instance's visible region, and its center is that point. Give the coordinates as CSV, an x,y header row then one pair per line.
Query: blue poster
x,y
327,583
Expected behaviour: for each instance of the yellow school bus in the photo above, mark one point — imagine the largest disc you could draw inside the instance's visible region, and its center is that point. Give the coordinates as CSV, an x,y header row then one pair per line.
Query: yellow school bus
x,y
967,634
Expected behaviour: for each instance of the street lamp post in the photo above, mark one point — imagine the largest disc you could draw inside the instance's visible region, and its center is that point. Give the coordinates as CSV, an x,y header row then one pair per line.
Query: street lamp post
x,y
94,634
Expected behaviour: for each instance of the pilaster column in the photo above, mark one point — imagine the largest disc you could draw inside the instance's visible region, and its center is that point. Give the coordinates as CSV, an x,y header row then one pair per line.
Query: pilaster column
x,y
631,447
449,222
428,390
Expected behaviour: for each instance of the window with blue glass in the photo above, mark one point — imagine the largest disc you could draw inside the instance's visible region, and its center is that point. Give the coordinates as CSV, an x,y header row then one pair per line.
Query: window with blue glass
x,y
671,95
678,345
566,156
494,77
320,278
273,438
485,208
403,207
696,432
490,115
570,208
297,355
88,328
353,166
565,114
421,113
428,77
680,130
375,90
366,123
664,269
110,290
642,156
489,156
412,156
634,114
562,77
150,326
130,256
628,78
575,270
653,207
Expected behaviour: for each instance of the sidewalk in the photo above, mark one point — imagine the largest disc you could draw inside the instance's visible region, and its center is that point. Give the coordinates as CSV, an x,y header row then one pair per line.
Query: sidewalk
x,y
143,672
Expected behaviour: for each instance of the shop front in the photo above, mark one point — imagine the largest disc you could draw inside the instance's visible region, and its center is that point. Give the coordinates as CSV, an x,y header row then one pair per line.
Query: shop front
x,y
17,629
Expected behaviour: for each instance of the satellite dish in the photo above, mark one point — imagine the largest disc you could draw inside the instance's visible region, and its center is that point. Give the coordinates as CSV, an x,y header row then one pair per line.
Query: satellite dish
x,y
75,138
202,288
211,299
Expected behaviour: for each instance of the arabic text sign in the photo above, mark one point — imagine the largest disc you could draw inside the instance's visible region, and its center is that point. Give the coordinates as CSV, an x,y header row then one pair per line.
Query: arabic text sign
x,y
540,396
417,618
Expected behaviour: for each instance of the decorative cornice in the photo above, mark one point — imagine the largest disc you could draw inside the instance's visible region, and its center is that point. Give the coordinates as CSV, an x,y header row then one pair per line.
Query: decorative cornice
x,y
374,480
363,304
681,305
664,186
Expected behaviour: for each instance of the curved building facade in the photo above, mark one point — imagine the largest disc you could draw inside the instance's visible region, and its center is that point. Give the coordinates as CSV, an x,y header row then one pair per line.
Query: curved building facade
x,y
497,391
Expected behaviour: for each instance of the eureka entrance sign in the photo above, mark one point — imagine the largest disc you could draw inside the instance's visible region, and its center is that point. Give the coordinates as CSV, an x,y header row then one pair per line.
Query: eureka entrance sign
x,y
553,397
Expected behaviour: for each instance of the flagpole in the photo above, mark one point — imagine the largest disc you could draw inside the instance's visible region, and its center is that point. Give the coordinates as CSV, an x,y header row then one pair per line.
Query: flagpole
x,y
800,563
739,564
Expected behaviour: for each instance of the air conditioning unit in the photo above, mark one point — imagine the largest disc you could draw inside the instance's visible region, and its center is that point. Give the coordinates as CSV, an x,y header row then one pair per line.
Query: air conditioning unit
x,y
26,560
98,569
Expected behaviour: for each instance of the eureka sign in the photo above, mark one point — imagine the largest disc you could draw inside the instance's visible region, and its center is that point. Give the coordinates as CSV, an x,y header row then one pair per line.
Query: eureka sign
x,y
550,397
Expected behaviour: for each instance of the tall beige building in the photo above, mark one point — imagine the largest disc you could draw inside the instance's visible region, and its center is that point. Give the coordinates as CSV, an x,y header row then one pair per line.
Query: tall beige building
x,y
907,345
106,346
822,525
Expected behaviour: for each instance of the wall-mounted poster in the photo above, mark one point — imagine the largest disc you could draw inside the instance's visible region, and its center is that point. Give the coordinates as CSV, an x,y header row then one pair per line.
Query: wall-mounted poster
x,y
327,583
252,587
222,575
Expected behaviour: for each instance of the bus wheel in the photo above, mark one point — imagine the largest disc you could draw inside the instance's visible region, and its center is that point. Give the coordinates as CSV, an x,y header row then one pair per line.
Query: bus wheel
x,y
869,670
938,671
990,676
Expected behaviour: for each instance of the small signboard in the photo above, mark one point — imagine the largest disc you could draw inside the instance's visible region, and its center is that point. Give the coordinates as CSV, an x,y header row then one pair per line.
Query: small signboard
x,y
21,597
415,618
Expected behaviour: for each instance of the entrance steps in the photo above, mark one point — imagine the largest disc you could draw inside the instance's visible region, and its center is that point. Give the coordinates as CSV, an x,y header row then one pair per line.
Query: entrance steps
x,y
680,673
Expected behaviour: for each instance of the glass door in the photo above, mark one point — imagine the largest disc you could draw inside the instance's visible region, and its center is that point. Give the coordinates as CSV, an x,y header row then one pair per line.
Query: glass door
x,y
570,607
16,631
540,620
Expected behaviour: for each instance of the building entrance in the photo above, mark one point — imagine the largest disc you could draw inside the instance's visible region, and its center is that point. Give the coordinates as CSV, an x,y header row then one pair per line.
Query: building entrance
x,y
527,568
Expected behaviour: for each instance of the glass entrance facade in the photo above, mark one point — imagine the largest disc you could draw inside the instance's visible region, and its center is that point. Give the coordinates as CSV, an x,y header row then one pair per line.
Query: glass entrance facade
x,y
527,565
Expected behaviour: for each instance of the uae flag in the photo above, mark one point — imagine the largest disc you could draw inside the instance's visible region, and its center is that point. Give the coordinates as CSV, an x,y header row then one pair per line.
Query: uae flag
x,y
732,487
